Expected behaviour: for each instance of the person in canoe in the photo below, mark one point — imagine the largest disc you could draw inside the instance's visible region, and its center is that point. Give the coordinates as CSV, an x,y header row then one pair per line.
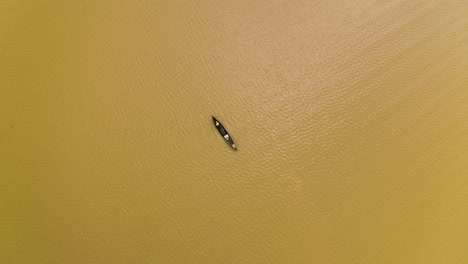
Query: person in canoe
x,y
224,133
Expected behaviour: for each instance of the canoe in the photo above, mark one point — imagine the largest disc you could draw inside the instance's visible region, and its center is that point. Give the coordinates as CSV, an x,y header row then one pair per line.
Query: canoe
x,y
224,133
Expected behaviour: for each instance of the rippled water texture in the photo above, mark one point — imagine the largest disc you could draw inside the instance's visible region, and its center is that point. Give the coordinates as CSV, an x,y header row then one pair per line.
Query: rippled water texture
x,y
351,120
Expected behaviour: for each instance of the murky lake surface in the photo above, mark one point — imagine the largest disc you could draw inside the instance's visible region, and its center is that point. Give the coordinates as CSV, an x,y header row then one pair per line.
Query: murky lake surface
x,y
351,119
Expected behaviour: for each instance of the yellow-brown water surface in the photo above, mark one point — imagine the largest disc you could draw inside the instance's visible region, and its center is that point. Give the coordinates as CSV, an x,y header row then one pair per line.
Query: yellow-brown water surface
x,y
351,119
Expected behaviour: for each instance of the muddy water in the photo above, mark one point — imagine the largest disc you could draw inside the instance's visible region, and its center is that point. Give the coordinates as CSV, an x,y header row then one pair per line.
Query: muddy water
x,y
350,119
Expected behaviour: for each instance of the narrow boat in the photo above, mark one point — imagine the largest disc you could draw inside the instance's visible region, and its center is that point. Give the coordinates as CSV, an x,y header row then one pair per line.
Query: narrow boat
x,y
224,133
